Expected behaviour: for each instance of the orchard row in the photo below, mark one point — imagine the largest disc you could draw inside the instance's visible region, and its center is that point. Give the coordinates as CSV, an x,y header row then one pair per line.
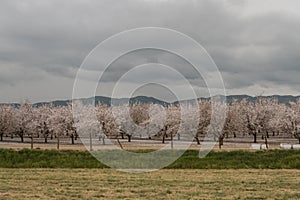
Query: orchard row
x,y
263,118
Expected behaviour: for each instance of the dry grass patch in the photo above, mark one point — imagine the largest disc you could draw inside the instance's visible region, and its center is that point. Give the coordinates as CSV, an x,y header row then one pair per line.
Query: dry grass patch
x,y
163,184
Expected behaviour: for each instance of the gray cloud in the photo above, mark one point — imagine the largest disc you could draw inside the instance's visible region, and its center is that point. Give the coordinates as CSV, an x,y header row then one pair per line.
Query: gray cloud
x,y
43,43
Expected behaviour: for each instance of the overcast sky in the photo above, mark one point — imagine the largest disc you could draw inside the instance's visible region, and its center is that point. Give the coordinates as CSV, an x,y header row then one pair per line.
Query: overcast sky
x,y
254,43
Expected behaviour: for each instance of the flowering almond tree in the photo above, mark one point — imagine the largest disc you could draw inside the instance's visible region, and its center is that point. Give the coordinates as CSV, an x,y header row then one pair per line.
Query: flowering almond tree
x,y
251,117
58,121
235,124
291,120
172,123
155,121
131,119
86,122
276,123
42,115
266,109
108,125
204,118
25,122
218,117
6,120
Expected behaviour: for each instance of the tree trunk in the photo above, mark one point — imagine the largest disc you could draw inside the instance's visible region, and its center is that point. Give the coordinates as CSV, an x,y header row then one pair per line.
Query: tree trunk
x,y
1,137
198,141
91,142
119,143
268,134
31,141
299,140
129,138
163,140
22,138
273,133
122,135
57,141
266,142
172,141
255,139
72,138
221,139
46,139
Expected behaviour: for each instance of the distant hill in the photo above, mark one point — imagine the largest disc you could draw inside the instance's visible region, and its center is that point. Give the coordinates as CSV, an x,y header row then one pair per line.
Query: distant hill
x,y
283,99
54,103
107,101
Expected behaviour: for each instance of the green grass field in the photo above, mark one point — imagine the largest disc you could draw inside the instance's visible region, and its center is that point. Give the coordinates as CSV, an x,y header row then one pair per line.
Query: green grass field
x,y
163,184
273,159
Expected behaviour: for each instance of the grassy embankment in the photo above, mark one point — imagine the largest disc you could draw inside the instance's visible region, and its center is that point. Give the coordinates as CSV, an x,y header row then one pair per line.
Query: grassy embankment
x,y
274,159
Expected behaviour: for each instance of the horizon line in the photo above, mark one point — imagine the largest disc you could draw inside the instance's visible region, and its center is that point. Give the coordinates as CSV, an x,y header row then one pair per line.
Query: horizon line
x,y
55,100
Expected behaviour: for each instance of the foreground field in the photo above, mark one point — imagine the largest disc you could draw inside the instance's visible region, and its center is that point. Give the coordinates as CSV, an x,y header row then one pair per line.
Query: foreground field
x,y
163,184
